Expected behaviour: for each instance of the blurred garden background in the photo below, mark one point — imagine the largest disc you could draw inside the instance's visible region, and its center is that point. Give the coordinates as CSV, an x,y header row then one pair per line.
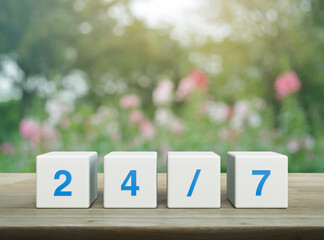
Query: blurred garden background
x,y
107,75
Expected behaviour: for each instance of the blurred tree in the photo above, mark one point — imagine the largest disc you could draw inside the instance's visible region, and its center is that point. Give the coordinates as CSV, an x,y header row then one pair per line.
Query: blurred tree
x,y
114,50
121,53
266,39
35,34
242,46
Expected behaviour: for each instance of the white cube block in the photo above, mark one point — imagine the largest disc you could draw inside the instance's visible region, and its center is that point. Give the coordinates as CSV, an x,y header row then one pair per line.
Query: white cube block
x,y
130,180
66,179
193,180
257,179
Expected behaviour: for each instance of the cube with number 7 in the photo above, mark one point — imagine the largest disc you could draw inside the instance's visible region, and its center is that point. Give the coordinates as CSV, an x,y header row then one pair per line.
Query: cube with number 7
x,y
257,179
130,180
193,180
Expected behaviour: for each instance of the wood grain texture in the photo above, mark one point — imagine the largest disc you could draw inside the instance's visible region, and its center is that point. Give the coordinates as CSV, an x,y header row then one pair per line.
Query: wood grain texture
x,y
19,218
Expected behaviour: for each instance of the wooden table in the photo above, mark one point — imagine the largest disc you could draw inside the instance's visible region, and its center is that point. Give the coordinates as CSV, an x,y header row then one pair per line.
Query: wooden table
x,y
19,218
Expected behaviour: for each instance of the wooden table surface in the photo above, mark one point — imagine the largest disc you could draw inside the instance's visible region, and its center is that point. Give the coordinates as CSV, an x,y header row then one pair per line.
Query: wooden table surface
x,y
19,218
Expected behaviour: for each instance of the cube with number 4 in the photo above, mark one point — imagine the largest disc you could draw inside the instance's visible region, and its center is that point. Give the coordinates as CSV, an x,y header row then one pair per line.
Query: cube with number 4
x,y
193,180
130,180
66,179
257,179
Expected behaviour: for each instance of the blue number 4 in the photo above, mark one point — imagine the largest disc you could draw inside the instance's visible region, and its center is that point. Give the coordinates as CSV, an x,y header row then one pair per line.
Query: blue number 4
x,y
68,178
193,183
133,188
265,174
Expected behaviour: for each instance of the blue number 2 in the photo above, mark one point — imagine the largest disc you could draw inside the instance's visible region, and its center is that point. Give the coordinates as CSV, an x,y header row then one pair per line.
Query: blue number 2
x,y
193,183
58,191
133,188
265,174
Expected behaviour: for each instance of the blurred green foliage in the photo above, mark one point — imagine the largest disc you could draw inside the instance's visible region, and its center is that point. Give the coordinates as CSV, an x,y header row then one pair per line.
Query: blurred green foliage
x,y
68,64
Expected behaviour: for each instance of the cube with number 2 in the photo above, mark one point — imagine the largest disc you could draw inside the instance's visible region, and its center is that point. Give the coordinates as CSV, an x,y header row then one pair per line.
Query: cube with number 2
x,y
257,179
130,180
193,180
66,179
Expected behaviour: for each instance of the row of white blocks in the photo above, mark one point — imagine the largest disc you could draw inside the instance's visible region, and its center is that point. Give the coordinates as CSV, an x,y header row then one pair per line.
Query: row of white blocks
x,y
254,180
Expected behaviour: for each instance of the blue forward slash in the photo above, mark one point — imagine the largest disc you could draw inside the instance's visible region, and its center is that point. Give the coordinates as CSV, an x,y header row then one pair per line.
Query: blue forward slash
x,y
194,181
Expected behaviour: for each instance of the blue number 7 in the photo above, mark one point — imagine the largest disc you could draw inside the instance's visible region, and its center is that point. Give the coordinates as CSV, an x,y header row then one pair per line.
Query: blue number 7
x,y
266,174
193,183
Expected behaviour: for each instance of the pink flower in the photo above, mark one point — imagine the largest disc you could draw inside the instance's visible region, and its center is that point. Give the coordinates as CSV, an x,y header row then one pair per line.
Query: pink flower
x,y
129,101
36,134
49,134
100,116
196,80
177,127
286,84
147,130
200,78
136,116
30,130
186,86
163,92
7,148
240,112
293,146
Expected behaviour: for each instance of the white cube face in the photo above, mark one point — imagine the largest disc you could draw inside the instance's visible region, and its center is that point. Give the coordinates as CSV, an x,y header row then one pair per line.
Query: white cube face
x,y
193,180
130,180
66,179
257,179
